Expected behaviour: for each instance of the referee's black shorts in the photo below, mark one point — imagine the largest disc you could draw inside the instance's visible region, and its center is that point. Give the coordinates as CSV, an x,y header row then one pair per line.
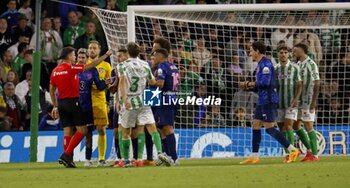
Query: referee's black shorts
x,y
70,112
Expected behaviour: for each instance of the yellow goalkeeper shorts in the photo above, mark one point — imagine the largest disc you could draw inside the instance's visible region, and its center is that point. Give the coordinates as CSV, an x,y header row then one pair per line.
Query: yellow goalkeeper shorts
x,y
100,115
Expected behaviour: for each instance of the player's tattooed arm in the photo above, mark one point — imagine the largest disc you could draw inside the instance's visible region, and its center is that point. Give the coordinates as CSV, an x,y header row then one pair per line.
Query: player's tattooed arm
x,y
315,95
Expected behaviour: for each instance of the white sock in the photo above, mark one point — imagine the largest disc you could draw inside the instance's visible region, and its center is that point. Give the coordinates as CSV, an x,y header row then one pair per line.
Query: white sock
x,y
291,148
255,155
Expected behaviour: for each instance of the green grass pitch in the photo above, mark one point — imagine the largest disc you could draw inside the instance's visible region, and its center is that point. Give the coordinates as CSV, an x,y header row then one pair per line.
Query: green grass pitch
x,y
271,172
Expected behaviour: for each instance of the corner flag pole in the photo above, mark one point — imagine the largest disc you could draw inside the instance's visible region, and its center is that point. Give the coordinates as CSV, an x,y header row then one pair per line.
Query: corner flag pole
x,y
34,115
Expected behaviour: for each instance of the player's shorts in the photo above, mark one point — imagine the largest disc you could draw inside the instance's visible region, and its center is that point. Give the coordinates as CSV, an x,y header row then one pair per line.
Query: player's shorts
x,y
100,114
70,112
266,113
88,118
287,113
306,116
165,115
140,117
116,119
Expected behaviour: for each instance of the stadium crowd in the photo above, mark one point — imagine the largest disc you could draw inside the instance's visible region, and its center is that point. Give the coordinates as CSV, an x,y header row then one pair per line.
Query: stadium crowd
x,y
212,59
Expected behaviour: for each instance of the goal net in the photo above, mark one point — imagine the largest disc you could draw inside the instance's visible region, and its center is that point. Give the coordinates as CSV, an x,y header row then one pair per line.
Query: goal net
x,y
210,46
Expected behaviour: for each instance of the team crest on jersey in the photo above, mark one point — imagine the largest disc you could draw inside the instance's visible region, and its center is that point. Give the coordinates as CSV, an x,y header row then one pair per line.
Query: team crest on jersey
x,y
266,70
159,72
101,70
89,76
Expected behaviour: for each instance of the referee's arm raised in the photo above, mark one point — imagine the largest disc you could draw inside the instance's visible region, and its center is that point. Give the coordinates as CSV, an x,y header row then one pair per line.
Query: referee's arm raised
x,y
98,61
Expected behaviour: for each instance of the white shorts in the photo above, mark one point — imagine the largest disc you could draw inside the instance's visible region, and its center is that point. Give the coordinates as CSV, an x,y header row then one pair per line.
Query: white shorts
x,y
288,113
306,116
131,118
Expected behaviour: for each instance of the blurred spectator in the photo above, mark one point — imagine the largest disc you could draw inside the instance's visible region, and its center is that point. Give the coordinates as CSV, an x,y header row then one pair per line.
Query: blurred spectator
x,y
14,48
90,34
99,3
214,43
6,39
13,106
44,73
11,15
311,40
337,114
3,74
12,77
234,68
189,80
91,17
44,102
201,55
245,99
7,61
5,121
282,34
340,72
188,43
75,29
215,117
312,18
22,88
2,101
57,26
27,11
48,123
330,39
21,29
239,118
19,60
51,44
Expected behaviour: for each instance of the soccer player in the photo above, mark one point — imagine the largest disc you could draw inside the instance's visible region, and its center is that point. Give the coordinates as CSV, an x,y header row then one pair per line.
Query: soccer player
x,y
167,81
306,114
133,76
86,79
289,87
265,112
122,55
64,78
99,102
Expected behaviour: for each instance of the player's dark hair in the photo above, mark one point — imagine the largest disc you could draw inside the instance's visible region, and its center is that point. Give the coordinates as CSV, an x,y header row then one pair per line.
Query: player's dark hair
x,y
302,46
162,51
123,50
74,11
259,46
22,46
28,52
133,49
66,51
163,43
282,47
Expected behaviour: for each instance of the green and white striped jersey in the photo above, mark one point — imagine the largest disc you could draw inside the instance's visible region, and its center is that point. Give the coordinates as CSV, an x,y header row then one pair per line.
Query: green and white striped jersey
x,y
287,78
309,73
137,73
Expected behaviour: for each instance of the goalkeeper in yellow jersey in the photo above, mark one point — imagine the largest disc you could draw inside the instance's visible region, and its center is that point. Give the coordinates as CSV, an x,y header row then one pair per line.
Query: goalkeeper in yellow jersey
x,y
99,102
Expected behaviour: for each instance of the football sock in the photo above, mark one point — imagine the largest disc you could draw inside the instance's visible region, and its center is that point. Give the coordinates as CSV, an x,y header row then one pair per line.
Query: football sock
x,y
120,138
285,134
88,153
313,142
116,147
149,146
256,140
141,138
165,146
156,140
134,148
304,138
76,138
171,141
101,147
289,135
66,141
126,148
278,136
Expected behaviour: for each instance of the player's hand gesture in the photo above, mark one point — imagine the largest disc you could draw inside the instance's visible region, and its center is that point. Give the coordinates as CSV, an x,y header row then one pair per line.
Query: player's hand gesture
x,y
294,103
109,52
118,107
54,113
127,105
108,81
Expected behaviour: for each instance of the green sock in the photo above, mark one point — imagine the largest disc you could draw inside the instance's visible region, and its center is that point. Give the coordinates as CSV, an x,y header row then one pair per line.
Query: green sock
x,y
126,148
286,136
141,138
290,136
156,140
120,137
304,138
313,142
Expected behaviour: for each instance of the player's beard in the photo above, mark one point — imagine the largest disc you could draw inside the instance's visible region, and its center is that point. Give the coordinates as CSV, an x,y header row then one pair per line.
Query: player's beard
x,y
93,56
